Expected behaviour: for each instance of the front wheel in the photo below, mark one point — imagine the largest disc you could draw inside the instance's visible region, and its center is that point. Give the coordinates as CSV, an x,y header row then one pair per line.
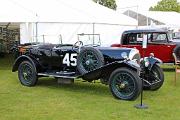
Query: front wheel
x,y
125,84
155,78
27,74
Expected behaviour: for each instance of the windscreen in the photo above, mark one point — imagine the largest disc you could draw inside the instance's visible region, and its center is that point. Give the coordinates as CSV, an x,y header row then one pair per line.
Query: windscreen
x,y
90,39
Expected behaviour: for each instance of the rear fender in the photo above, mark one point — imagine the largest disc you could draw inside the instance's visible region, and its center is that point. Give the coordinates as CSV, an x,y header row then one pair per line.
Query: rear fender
x,y
106,70
20,59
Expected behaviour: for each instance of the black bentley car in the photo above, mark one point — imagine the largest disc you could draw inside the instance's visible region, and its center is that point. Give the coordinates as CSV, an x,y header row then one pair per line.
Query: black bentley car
x,y
117,67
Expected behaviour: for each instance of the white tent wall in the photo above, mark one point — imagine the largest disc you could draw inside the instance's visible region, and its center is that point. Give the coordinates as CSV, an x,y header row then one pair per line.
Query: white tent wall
x,y
68,31
26,32
110,34
50,32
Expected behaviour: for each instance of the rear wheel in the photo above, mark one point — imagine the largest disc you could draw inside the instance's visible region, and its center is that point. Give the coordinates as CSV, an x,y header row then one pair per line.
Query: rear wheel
x,y
27,74
125,84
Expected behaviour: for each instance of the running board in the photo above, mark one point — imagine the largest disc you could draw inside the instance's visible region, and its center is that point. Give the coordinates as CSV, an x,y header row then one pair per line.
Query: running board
x,y
69,76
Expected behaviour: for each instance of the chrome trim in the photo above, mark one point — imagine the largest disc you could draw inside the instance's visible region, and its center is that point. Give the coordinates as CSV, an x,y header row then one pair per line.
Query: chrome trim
x,y
133,63
132,53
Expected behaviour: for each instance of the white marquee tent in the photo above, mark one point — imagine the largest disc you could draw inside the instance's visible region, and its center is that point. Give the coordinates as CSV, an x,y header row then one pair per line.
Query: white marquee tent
x,y
167,18
155,18
10,12
68,18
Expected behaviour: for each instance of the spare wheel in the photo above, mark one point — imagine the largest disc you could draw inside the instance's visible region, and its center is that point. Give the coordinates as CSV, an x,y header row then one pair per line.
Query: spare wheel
x,y
89,59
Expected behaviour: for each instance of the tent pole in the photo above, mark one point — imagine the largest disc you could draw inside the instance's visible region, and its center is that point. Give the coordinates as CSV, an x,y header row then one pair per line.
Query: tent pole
x,y
93,31
36,31
36,28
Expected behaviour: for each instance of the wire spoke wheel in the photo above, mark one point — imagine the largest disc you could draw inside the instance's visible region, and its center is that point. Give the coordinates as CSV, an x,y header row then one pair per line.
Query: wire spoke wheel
x,y
125,84
27,74
156,78
90,61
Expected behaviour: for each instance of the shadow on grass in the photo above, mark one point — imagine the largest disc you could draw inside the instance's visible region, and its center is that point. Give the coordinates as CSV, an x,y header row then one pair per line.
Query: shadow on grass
x,y
78,86
168,69
6,63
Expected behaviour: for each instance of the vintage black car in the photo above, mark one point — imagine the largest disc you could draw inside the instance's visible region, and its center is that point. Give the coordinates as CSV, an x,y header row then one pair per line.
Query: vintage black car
x,y
117,67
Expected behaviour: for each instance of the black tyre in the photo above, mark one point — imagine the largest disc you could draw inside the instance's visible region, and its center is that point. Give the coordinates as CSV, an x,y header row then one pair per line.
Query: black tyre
x,y
177,51
156,78
125,84
27,74
89,59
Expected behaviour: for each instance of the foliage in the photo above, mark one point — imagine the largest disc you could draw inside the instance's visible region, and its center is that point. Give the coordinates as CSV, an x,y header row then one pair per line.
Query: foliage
x,y
107,3
166,5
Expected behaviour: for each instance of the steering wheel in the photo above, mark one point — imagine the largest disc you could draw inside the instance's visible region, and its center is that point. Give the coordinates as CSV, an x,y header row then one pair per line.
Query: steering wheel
x,y
77,44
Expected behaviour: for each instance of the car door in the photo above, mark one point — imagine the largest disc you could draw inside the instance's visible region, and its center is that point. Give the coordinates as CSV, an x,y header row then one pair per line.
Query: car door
x,y
45,56
159,45
56,58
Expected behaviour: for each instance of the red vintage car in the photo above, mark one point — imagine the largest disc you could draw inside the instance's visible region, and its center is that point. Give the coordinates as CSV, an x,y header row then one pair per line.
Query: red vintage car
x,y
158,43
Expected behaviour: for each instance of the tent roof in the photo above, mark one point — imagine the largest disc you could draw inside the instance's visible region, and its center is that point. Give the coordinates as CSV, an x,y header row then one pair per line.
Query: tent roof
x,y
73,11
10,12
100,13
168,18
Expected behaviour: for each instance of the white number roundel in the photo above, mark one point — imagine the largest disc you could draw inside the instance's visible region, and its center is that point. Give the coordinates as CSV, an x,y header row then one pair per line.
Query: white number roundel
x,y
70,59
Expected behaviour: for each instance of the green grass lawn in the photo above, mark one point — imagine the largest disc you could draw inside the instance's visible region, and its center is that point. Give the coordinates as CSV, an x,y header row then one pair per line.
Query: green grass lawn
x,y
81,100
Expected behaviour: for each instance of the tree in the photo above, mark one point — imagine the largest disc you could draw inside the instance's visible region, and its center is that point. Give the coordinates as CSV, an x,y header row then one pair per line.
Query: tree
x,y
107,3
166,5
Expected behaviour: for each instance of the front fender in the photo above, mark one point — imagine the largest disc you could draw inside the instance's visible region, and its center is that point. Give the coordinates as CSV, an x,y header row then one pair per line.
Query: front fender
x,y
152,61
21,59
107,69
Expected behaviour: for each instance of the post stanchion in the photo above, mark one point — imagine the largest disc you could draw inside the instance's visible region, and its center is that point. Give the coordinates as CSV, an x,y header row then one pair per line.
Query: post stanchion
x,y
144,46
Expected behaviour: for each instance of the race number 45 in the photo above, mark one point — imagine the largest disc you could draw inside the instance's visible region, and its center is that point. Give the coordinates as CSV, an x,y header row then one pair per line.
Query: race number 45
x,y
70,59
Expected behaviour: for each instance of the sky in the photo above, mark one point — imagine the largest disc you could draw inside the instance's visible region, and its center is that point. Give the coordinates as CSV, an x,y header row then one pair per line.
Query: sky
x,y
142,4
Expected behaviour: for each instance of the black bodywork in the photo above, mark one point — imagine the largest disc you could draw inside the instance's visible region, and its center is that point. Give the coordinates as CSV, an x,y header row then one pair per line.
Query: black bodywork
x,y
119,68
49,58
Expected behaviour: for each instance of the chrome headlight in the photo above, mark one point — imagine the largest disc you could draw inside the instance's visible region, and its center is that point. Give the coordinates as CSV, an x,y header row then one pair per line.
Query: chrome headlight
x,y
135,55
